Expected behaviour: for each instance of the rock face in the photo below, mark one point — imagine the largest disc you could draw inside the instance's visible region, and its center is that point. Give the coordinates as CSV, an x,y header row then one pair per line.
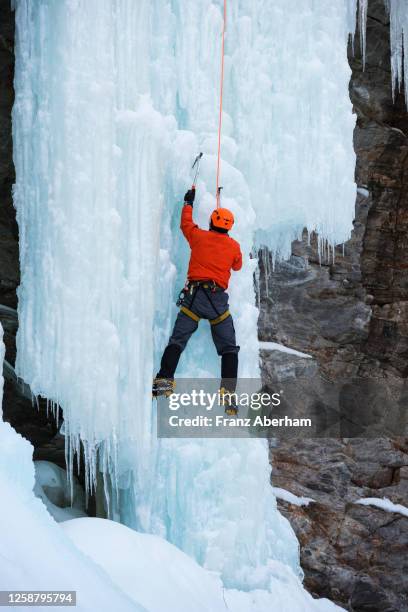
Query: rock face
x,y
351,317
354,555
9,268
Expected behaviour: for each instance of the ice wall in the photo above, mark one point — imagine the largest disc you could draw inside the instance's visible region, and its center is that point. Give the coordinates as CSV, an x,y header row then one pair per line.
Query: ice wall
x,y
114,98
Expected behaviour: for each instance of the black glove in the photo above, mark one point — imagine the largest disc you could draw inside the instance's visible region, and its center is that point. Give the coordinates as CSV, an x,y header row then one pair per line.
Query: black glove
x,y
189,197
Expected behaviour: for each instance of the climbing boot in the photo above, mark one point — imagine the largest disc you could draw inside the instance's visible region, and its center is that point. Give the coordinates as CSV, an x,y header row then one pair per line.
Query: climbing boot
x,y
163,386
228,401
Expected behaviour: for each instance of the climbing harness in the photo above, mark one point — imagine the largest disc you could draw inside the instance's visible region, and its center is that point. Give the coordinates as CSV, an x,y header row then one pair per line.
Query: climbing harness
x,y
218,188
191,285
212,285
192,288
182,295
190,314
221,318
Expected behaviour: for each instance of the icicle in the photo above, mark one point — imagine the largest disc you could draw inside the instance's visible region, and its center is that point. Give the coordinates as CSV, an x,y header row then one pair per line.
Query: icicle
x,y
319,248
257,276
357,14
362,20
313,87
266,270
398,12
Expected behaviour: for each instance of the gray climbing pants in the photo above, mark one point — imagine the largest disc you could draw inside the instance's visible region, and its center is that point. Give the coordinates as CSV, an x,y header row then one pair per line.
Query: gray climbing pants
x,y
203,303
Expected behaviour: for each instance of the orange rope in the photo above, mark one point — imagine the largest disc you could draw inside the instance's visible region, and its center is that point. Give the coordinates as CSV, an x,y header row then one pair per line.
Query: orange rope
x,y
220,115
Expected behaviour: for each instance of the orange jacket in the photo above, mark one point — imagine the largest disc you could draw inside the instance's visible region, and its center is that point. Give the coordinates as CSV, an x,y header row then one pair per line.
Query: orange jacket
x,y
213,255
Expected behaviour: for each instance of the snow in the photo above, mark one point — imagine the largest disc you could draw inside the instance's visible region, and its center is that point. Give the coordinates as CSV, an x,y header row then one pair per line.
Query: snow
x,y
384,504
36,554
161,577
274,346
291,498
262,601
146,567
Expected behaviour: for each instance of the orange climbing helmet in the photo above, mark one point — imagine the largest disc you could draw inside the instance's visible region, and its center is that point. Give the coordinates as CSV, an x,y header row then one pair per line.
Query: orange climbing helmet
x,y
222,218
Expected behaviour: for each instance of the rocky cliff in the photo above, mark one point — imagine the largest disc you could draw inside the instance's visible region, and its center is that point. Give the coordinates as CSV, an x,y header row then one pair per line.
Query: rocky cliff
x,y
351,317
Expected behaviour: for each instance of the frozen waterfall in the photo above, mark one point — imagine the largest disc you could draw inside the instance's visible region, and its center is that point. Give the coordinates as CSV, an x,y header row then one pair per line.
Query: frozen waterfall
x,y
114,98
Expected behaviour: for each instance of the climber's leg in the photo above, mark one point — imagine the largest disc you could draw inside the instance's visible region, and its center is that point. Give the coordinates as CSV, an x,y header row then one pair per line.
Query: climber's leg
x,y
223,334
229,370
183,329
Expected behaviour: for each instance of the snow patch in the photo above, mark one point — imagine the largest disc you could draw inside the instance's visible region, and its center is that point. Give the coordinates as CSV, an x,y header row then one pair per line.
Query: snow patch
x,y
384,504
364,192
291,498
274,346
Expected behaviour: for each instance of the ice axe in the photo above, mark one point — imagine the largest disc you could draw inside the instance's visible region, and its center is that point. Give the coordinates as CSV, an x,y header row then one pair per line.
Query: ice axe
x,y
196,165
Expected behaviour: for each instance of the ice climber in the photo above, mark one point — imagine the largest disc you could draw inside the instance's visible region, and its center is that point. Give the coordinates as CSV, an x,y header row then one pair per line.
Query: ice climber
x,y
213,255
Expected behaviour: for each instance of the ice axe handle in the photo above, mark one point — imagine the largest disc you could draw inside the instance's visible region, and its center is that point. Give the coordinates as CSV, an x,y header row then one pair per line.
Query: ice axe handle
x,y
197,169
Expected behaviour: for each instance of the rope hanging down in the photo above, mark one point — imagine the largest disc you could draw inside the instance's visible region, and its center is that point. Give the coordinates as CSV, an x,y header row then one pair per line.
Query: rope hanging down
x,y
218,188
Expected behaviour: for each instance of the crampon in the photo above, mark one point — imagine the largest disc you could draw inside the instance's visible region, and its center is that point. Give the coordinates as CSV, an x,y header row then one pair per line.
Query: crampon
x,y
228,401
163,386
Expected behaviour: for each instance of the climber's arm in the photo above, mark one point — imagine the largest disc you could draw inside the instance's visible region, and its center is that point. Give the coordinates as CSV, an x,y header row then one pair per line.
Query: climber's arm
x,y
187,224
237,263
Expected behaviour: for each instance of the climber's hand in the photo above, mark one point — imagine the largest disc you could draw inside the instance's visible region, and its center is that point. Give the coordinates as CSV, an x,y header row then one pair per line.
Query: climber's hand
x,y
189,197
